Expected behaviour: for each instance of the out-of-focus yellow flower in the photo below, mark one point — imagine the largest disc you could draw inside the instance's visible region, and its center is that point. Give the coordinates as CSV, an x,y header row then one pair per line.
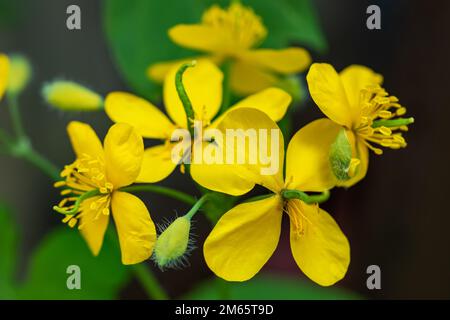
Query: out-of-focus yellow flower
x,y
19,74
4,73
71,96
246,236
203,84
354,100
231,35
91,188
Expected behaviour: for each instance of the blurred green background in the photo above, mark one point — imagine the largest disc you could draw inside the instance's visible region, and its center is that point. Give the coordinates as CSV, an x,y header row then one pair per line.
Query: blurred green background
x,y
395,218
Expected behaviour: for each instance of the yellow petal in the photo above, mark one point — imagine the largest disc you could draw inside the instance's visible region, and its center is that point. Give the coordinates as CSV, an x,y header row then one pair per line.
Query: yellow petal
x,y
286,61
244,239
4,73
328,93
307,158
321,250
259,142
223,178
354,78
201,37
157,164
136,230
147,119
93,226
124,150
84,140
272,101
361,152
203,85
246,79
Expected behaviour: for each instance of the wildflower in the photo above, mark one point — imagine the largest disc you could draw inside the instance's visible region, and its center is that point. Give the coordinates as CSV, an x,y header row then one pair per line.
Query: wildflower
x,y
203,84
19,74
71,96
247,235
92,190
355,101
232,35
4,73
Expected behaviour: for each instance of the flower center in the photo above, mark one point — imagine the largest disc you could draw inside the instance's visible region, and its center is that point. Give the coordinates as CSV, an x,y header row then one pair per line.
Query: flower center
x,y
83,179
243,27
299,222
380,121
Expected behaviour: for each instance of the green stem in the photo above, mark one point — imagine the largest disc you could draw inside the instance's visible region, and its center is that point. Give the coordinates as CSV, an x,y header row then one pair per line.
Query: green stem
x,y
149,282
16,118
143,274
309,199
42,163
197,206
392,123
175,194
190,115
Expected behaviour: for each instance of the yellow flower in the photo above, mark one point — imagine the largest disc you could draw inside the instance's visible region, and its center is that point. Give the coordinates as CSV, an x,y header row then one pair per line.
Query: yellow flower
x,y
203,84
354,100
4,73
92,190
246,236
231,35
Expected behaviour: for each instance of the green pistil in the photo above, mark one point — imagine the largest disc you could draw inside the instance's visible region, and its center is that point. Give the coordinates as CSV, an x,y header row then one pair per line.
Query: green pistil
x,y
187,105
309,199
77,203
392,123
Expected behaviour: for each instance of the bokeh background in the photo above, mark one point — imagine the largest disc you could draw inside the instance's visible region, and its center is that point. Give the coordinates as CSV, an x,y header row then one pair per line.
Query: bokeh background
x,y
396,218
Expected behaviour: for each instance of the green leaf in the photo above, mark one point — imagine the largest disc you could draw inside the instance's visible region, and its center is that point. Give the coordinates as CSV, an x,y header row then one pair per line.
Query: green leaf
x,y
268,287
137,32
341,156
101,277
217,204
290,21
8,249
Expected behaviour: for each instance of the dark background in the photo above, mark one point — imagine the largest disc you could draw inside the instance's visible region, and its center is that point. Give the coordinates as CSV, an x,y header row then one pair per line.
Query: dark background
x,y
396,218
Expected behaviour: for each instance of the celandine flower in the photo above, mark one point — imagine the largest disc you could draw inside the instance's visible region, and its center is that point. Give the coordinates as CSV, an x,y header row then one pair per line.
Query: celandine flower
x,y
91,187
246,236
231,35
203,85
4,73
354,100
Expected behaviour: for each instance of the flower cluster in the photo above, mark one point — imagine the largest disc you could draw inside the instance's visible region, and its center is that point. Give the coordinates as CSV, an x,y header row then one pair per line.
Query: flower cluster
x,y
360,116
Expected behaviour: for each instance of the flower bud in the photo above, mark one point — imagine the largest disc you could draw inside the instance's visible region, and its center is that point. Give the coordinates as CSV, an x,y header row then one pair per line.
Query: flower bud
x,y
19,74
341,161
173,243
71,96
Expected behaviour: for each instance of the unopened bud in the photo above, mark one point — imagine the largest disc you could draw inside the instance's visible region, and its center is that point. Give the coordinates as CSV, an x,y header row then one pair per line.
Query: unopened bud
x,y
173,243
19,74
71,96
